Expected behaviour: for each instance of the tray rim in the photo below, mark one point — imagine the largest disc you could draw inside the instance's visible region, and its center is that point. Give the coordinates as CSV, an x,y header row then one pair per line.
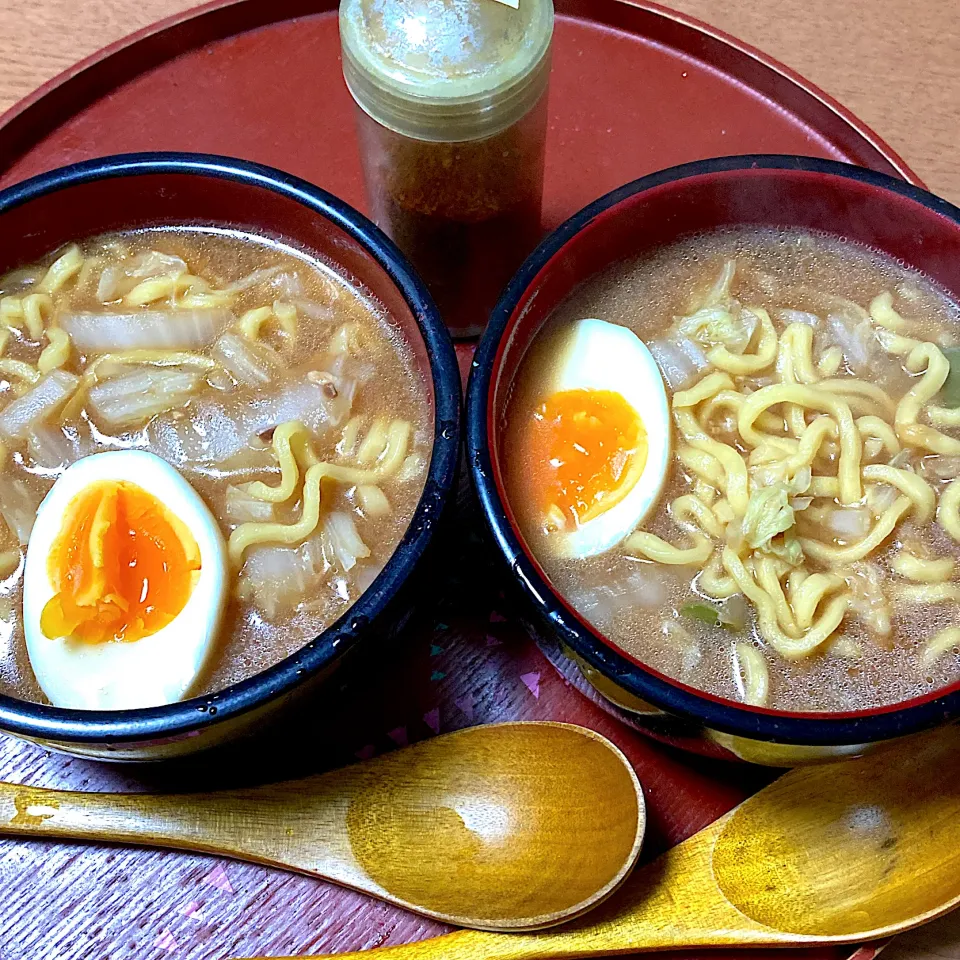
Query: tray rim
x,y
27,123
60,98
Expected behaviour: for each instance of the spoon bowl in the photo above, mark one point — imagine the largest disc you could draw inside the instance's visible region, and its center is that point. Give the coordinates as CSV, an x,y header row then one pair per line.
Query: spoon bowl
x,y
830,862
512,826
842,853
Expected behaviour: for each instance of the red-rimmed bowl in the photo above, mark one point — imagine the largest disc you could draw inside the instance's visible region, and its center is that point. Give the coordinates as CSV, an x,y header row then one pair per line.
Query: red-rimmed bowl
x,y
882,212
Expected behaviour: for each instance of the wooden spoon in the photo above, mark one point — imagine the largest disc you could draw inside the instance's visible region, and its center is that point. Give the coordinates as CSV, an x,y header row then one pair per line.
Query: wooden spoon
x,y
512,826
840,853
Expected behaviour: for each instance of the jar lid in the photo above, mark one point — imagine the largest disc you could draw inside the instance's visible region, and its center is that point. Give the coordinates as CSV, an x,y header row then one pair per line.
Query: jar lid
x,y
446,69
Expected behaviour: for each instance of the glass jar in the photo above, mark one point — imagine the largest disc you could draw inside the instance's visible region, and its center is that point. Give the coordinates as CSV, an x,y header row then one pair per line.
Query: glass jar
x,y
452,122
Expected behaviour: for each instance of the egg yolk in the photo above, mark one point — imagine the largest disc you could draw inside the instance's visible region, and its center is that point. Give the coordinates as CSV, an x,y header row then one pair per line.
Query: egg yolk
x,y
588,449
123,566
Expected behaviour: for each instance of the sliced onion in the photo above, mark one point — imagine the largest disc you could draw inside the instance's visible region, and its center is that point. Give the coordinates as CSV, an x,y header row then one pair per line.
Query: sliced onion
x,y
881,497
282,280
848,523
252,364
252,279
153,263
734,612
38,404
53,448
321,312
242,508
137,396
108,287
938,467
144,329
721,286
348,547
646,587
278,578
18,507
288,285
799,316
364,577
680,362
857,341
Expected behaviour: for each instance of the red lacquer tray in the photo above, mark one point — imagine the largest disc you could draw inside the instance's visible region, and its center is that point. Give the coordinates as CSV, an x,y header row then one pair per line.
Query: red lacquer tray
x,y
635,88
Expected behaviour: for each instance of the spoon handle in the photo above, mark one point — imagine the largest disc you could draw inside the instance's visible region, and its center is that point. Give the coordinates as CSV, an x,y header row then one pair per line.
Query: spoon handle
x,y
234,823
35,811
671,903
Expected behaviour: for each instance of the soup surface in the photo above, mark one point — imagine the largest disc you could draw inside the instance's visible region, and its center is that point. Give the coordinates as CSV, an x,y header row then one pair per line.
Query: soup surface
x,y
281,393
793,542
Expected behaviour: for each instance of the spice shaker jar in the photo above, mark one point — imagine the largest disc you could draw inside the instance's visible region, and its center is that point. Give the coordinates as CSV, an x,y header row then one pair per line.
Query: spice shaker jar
x,y
452,121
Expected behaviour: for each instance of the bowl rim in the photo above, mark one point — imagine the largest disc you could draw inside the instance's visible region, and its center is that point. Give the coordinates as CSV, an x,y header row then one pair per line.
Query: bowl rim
x,y
189,717
679,699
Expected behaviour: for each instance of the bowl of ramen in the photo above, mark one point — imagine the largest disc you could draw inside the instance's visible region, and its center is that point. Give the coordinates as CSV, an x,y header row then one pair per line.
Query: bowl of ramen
x,y
229,421
714,425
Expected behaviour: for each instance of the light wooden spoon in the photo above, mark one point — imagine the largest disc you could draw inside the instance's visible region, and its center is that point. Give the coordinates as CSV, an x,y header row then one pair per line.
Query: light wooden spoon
x,y
840,853
512,826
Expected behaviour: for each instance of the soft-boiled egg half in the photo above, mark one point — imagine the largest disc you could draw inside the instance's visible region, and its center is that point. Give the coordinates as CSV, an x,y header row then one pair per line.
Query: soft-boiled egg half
x,y
598,439
124,585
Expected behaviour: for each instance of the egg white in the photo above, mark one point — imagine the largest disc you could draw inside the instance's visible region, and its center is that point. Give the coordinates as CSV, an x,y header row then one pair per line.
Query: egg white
x,y
118,675
599,355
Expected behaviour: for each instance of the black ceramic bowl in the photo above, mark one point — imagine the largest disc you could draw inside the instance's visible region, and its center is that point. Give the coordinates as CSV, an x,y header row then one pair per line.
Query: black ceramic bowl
x,y
778,191
138,190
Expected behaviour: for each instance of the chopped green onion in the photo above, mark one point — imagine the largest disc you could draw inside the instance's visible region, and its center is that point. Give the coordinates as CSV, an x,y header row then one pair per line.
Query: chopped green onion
x,y
950,394
703,612
710,615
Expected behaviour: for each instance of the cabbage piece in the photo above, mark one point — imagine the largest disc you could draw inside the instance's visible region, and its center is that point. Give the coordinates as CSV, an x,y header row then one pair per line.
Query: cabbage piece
x,y
868,602
287,284
726,325
38,404
140,395
249,363
680,363
768,514
281,577
857,340
117,280
144,329
215,432
720,291
787,548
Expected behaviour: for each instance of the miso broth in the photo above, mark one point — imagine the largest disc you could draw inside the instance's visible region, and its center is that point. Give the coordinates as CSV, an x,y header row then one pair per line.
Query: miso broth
x,y
850,339
212,349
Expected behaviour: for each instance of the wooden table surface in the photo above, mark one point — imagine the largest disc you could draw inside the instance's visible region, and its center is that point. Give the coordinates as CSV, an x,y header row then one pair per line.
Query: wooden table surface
x,y
895,64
